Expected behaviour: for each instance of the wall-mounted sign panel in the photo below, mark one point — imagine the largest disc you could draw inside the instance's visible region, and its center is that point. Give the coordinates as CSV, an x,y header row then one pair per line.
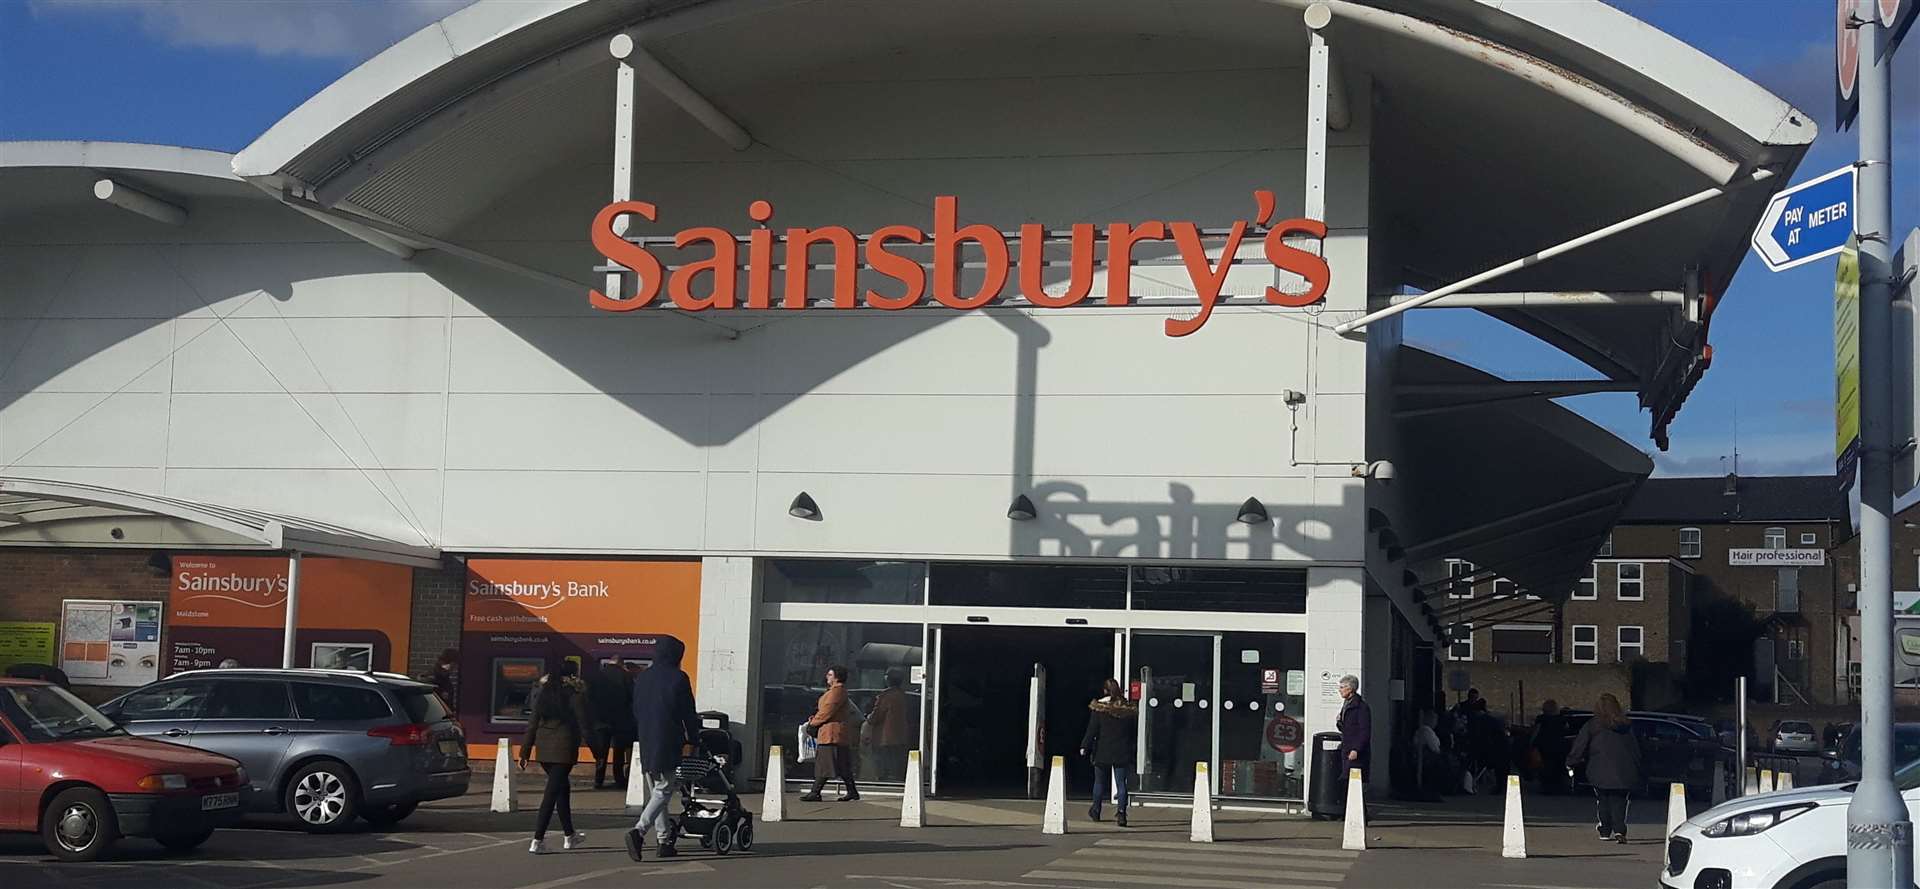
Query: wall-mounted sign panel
x,y
1778,558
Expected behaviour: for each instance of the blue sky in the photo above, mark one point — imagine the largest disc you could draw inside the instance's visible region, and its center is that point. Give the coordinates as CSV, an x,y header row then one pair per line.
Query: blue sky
x,y
138,70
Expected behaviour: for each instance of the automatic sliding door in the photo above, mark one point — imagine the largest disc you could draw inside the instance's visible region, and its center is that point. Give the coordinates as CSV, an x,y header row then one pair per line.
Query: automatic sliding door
x,y
1176,675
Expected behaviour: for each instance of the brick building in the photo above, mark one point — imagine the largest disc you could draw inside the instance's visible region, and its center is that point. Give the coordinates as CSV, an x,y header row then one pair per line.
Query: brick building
x,y
1725,533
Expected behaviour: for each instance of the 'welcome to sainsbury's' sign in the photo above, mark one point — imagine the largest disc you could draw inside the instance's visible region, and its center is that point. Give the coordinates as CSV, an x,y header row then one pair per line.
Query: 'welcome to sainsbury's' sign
x,y
723,266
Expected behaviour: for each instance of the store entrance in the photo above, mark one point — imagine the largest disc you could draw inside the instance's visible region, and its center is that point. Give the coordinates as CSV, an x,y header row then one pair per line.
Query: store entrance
x,y
984,698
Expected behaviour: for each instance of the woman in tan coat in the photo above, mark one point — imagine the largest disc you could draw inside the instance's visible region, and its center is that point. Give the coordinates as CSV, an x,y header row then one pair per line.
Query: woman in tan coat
x,y
832,727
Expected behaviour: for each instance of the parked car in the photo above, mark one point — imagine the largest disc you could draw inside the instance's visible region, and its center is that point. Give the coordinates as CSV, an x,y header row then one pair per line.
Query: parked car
x,y
1793,736
1845,765
1794,839
324,745
70,774
1672,750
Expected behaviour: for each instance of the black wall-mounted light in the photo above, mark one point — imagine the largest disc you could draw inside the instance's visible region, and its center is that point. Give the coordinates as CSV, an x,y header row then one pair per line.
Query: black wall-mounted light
x,y
160,564
803,507
1253,512
1022,509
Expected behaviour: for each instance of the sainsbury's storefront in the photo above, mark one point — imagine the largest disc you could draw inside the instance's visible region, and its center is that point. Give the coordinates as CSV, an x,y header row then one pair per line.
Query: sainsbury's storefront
x,y
989,353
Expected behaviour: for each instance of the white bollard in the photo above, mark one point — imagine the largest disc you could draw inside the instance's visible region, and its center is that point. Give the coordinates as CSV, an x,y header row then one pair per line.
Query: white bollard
x,y
910,802
1676,806
637,788
1766,780
1055,820
503,797
1355,835
1513,835
1753,782
773,806
1719,783
1202,805
1784,781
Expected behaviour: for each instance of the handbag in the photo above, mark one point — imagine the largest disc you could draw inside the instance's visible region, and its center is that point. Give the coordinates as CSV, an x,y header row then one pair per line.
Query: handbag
x,y
808,746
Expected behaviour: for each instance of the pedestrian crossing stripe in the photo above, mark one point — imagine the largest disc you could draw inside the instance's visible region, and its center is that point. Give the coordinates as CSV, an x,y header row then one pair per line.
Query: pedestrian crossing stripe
x,y
1161,880
1119,862
1230,849
1265,862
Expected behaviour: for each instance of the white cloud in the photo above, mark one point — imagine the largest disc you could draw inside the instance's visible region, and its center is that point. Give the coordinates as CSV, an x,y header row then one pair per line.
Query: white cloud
x,y
329,29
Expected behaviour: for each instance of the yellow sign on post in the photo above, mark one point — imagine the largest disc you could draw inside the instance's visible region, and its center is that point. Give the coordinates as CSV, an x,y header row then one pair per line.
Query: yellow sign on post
x,y
25,642
1846,363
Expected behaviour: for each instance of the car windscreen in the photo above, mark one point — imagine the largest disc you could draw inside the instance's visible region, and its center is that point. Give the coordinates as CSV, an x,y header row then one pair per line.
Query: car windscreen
x,y
47,713
1799,728
422,705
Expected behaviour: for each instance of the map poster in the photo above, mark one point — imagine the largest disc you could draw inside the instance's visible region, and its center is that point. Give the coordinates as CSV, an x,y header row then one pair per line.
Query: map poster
x,y
110,642
25,642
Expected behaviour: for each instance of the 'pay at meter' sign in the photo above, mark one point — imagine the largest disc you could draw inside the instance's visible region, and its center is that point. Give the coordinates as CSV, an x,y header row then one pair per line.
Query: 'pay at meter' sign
x,y
1808,221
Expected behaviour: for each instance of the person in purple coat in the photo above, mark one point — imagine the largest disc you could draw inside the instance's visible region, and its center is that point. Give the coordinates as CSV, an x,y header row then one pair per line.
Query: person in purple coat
x,y
1356,728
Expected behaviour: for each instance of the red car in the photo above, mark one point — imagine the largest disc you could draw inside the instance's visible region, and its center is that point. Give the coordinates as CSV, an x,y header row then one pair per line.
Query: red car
x,y
82,782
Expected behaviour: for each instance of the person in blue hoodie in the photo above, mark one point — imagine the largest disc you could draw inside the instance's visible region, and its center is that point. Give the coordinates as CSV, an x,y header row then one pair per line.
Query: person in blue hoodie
x,y
1607,747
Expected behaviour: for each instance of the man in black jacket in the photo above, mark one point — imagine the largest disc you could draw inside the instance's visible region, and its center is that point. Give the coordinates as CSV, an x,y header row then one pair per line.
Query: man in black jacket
x,y
664,720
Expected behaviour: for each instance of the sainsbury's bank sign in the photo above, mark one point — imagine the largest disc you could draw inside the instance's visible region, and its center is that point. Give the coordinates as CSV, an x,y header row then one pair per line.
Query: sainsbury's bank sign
x,y
712,283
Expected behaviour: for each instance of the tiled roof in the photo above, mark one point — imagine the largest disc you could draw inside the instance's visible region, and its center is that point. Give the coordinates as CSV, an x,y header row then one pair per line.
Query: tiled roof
x,y
1779,498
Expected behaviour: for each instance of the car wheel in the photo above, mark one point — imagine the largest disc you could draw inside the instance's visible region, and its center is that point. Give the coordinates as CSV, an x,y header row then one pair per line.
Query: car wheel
x,y
324,796
184,842
79,825
389,815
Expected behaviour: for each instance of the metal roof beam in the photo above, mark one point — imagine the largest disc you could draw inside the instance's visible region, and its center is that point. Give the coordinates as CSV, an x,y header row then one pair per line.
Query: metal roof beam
x,y
1435,548
131,199
1503,388
681,93
1542,299
1583,348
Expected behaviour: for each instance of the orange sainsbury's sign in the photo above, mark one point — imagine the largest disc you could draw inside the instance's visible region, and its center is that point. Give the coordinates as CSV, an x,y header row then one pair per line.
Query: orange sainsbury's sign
x,y
879,252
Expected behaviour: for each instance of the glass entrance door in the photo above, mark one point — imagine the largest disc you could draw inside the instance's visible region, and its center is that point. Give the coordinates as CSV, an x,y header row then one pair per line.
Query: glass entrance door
x,y
1178,718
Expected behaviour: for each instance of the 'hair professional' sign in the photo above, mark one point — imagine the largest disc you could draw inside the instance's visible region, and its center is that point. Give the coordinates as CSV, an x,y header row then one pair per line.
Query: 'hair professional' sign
x,y
881,252
1778,558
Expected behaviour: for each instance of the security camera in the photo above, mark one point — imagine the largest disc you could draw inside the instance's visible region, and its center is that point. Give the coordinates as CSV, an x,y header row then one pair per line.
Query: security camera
x,y
1293,396
1378,470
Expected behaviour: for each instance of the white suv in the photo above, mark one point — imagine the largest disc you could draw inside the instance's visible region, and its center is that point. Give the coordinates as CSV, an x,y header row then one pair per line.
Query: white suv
x,y
1794,839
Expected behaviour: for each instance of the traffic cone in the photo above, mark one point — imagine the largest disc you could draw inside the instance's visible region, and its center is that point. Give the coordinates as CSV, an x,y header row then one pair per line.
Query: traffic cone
x,y
1355,835
1676,806
637,788
503,798
1719,783
910,803
1766,780
1202,805
1784,781
773,806
1513,835
1056,817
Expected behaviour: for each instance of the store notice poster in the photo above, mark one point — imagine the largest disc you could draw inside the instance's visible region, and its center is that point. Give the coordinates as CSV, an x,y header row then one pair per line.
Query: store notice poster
x,y
25,642
107,642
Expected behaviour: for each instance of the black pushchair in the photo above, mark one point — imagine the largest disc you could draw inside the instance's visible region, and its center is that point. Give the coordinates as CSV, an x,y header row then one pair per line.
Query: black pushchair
x,y
710,807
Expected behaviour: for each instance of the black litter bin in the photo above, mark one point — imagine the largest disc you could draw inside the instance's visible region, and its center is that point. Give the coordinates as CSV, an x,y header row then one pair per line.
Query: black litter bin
x,y
1327,797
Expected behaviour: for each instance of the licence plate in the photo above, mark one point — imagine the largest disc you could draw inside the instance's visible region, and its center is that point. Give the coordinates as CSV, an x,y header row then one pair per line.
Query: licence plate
x,y
214,801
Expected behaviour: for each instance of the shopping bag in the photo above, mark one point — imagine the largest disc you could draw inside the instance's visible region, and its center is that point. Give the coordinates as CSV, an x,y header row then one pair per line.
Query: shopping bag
x,y
808,744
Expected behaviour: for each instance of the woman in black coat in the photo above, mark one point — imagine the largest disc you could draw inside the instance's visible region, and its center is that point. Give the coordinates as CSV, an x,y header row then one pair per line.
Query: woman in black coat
x,y
1110,743
555,730
1607,747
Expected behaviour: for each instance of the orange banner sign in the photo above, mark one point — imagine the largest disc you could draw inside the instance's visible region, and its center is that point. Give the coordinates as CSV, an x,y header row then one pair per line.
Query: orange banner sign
x,y
250,592
562,596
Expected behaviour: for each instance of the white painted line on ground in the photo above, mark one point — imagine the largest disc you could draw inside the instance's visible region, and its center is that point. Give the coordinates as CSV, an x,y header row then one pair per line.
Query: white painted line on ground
x,y
1201,869
1230,846
1086,877
958,881
1265,861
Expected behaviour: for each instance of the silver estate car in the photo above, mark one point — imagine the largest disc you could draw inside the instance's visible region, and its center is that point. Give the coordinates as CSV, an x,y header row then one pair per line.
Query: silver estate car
x,y
326,746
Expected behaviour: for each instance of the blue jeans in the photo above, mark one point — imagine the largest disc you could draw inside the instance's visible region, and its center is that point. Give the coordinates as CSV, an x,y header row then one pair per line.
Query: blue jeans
x,y
654,813
1118,776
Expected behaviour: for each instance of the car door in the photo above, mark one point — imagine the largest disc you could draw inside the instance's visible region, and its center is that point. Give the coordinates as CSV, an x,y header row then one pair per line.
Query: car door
x,y
11,751
250,720
163,711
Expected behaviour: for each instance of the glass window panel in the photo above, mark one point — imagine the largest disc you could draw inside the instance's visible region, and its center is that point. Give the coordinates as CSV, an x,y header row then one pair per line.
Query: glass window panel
x,y
794,657
1034,586
1264,717
249,700
1252,590
846,581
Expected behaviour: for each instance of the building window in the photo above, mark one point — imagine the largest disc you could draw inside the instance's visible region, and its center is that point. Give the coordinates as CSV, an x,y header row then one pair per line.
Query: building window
x,y
794,657
1502,587
1786,591
1796,649
1606,546
1809,538
1776,538
1522,644
1457,572
1460,644
1586,589
1689,543
1586,644
1630,586
1632,643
